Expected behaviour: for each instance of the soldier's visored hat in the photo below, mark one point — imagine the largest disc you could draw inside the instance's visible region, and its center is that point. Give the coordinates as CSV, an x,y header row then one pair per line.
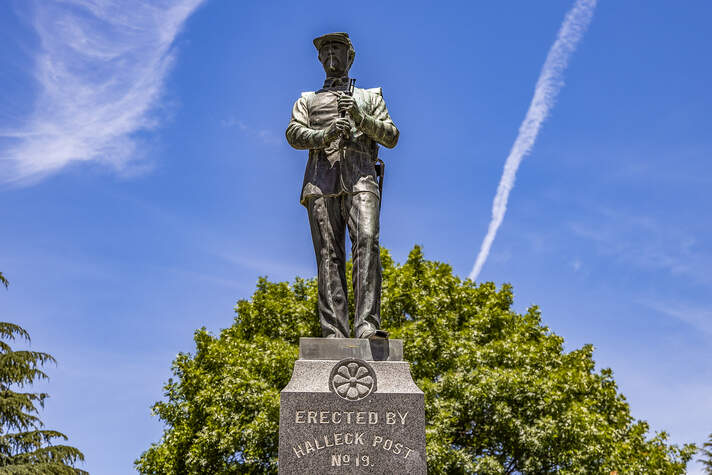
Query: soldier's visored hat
x,y
340,37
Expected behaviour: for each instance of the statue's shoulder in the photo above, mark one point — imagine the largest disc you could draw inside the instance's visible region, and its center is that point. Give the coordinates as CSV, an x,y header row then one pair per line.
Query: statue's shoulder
x,y
303,99
373,95
372,99
372,92
376,91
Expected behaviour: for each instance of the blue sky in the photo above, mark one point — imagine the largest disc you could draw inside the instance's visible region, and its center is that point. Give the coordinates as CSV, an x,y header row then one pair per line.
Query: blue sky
x,y
146,184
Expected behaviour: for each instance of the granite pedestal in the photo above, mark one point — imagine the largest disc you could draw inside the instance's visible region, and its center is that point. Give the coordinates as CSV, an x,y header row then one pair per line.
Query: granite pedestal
x,y
351,407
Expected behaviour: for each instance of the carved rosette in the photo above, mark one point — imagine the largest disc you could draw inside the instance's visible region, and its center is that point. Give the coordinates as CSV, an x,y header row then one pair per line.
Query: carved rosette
x,y
352,379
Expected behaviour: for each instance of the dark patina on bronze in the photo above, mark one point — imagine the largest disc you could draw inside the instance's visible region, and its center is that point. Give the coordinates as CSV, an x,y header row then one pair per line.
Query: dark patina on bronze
x,y
342,127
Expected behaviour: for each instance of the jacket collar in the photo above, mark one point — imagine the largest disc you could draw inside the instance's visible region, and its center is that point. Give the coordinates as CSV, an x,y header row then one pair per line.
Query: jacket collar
x,y
336,83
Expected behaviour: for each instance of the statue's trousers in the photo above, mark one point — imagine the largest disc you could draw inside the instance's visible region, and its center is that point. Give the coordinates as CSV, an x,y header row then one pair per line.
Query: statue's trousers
x,y
329,217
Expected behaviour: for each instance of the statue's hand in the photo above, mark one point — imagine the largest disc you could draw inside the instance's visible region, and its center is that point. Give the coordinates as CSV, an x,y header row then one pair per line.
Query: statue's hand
x,y
340,126
348,104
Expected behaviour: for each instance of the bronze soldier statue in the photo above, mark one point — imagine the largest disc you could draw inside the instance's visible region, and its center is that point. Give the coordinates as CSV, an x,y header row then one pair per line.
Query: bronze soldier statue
x,y
342,127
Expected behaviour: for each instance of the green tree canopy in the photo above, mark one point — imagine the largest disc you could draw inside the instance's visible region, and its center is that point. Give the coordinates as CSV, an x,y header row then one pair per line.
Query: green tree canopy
x,y
502,396
26,448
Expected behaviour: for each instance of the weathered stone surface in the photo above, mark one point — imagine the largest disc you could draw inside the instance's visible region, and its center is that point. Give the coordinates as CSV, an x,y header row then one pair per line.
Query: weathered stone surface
x,y
340,348
351,415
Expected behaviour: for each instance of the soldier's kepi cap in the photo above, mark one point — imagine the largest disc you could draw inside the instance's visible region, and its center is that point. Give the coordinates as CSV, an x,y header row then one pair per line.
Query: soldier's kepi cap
x,y
340,37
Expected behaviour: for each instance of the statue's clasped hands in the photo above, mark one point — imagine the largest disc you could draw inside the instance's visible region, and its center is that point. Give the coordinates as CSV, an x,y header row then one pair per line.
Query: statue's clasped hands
x,y
342,126
348,104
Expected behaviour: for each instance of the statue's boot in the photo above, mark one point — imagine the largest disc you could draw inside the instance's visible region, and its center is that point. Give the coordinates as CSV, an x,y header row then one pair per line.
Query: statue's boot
x,y
373,334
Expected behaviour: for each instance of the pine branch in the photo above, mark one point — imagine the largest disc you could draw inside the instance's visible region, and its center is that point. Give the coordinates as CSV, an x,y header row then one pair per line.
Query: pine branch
x,y
30,450
24,443
62,454
21,367
706,452
10,330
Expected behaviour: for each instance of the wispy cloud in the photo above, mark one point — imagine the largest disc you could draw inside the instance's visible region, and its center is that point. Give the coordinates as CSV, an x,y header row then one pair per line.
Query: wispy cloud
x,y
646,243
263,135
547,88
100,70
699,318
265,265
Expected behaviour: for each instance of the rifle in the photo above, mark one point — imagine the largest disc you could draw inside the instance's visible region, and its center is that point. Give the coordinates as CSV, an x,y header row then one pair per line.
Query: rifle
x,y
350,92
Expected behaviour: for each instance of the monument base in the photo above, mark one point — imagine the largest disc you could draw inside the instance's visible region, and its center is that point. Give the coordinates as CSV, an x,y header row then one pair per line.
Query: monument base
x,y
351,407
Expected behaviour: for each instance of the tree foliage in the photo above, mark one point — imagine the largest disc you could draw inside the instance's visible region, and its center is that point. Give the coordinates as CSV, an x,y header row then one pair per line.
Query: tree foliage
x,y
706,452
502,396
26,448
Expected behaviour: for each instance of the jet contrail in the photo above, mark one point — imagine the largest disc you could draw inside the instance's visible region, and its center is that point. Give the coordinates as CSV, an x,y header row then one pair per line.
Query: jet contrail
x,y
547,87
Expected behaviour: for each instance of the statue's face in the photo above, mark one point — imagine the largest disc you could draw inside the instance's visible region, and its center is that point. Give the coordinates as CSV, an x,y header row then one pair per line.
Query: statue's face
x,y
334,56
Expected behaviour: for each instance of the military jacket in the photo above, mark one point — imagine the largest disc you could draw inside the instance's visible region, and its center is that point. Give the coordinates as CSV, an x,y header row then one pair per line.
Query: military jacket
x,y
344,165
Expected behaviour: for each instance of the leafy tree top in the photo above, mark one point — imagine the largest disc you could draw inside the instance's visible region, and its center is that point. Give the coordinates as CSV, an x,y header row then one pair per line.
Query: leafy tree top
x,y
502,396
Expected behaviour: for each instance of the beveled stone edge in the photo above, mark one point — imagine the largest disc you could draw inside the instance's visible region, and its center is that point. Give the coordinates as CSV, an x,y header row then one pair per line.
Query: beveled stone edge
x,y
336,349
312,376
